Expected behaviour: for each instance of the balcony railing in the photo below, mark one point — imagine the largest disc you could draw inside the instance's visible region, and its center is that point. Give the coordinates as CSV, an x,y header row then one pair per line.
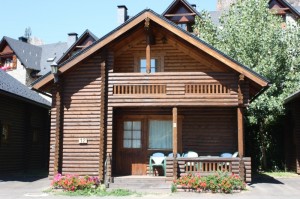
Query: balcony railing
x,y
209,165
172,88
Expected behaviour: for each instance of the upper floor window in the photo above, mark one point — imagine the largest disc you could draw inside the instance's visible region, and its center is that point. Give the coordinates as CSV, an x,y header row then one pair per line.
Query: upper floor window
x,y
143,65
183,26
8,62
156,61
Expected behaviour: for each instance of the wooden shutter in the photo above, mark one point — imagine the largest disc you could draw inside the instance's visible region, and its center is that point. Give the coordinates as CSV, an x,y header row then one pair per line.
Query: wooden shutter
x,y
14,61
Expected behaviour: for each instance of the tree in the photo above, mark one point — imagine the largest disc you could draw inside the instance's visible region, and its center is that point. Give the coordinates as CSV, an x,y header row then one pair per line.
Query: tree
x,y
251,34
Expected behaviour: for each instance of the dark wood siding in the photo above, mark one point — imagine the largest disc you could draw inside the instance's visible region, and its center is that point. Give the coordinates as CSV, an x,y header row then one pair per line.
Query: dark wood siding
x,y
292,137
20,152
209,131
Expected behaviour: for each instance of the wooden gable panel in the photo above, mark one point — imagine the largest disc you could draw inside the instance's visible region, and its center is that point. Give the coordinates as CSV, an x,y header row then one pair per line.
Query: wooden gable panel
x,y
178,56
6,50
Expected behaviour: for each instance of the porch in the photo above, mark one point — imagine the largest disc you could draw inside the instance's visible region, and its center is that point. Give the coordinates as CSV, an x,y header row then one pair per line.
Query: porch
x,y
199,110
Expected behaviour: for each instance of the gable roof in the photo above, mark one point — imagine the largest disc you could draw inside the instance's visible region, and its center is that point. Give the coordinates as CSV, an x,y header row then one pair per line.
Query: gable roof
x,y
188,37
55,51
288,5
28,54
176,2
83,36
12,87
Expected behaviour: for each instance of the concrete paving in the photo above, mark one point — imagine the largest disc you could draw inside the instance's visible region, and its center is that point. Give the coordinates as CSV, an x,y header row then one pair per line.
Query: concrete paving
x,y
267,188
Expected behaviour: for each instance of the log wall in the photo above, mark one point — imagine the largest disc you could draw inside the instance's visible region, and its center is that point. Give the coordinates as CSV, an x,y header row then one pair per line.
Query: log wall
x,y
21,152
82,110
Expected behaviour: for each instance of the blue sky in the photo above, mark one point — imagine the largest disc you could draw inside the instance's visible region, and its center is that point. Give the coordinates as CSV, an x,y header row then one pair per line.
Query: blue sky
x,y
51,20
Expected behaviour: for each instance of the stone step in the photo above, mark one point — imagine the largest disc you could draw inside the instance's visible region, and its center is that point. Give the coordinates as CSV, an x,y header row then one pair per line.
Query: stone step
x,y
146,182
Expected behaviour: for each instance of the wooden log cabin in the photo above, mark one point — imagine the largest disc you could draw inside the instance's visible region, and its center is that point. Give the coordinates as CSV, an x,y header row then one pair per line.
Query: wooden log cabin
x,y
148,86
24,128
292,133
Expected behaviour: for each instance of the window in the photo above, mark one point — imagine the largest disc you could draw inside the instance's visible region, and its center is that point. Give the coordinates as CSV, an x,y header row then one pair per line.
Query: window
x,y
4,130
143,65
183,26
8,62
132,134
160,134
35,135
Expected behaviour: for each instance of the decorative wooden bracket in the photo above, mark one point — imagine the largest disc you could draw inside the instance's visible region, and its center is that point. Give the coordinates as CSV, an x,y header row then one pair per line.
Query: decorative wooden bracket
x,y
148,48
240,92
147,23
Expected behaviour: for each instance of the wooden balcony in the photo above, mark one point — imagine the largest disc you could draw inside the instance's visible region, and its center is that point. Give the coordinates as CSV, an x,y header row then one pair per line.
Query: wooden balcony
x,y
172,89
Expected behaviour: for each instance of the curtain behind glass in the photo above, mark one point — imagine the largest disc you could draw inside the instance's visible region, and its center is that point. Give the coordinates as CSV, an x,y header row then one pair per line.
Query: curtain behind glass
x,y
160,134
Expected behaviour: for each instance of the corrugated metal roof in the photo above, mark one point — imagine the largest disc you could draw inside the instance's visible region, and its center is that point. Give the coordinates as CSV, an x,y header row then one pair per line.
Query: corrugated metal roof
x,y
10,85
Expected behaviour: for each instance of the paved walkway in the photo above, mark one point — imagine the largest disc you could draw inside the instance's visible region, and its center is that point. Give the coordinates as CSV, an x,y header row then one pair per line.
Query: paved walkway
x,y
267,188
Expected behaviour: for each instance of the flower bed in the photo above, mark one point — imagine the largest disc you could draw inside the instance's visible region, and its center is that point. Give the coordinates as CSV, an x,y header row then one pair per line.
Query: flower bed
x,y
72,182
221,182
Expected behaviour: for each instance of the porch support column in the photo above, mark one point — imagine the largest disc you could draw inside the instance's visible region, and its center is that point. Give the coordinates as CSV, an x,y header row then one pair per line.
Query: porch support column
x,y
58,127
240,120
240,116
175,137
102,121
148,48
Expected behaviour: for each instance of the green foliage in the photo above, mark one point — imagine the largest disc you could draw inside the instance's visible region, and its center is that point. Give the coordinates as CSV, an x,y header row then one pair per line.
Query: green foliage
x,y
221,182
254,36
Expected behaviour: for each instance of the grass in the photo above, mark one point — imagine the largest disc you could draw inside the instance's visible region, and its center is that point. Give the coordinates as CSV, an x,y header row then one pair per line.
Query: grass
x,y
98,192
280,174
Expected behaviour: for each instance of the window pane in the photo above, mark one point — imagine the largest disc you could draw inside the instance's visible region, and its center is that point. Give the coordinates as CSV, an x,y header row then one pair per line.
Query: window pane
x,y
136,135
127,135
128,125
136,143
143,65
132,134
136,125
127,143
160,134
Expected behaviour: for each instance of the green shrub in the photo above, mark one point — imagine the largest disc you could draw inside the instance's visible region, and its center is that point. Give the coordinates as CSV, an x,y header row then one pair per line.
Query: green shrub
x,y
222,182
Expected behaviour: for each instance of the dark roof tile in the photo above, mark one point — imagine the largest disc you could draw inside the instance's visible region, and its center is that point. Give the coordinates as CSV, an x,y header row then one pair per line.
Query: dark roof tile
x,y
10,85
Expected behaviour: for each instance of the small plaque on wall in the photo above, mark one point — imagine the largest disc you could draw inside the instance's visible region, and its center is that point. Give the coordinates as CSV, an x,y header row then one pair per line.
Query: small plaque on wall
x,y
83,141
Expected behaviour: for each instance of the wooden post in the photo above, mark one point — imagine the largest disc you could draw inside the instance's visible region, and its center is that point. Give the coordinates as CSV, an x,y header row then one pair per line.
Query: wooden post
x,y
148,48
102,121
240,116
240,121
175,137
58,128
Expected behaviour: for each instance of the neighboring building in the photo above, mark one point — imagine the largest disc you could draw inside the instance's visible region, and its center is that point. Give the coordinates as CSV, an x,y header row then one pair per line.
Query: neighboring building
x,y
24,128
148,86
27,62
182,13
86,39
292,133
289,13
